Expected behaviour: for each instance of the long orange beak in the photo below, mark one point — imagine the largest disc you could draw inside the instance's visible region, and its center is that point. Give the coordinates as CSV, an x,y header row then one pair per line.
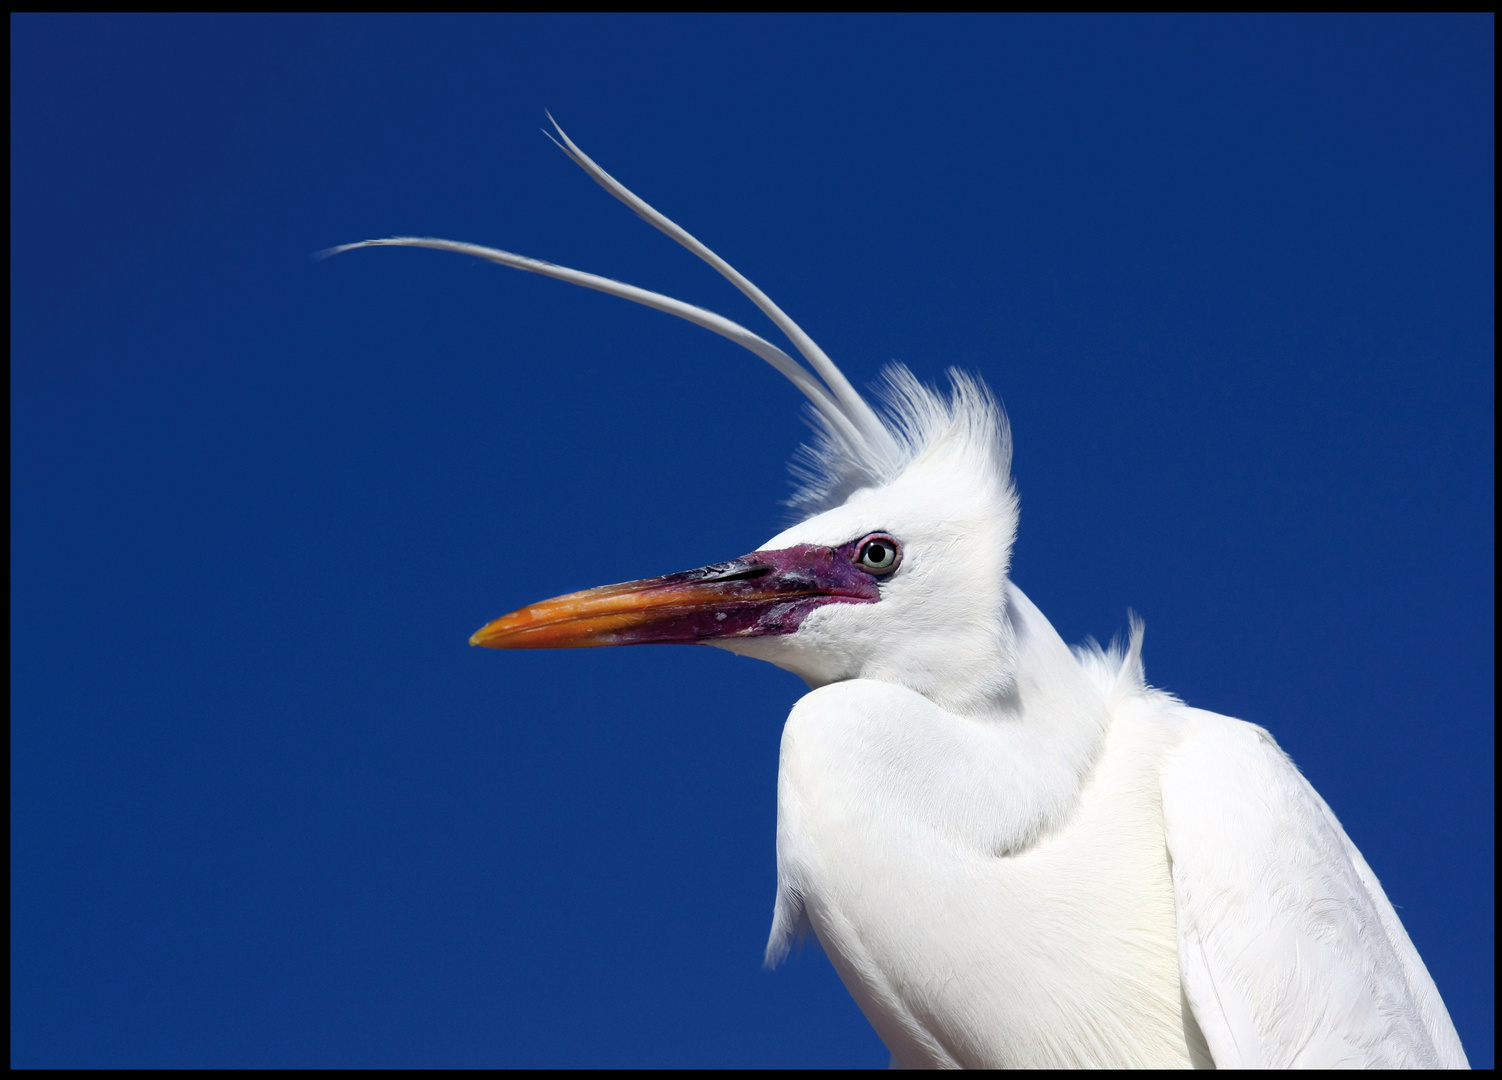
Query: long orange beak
x,y
766,592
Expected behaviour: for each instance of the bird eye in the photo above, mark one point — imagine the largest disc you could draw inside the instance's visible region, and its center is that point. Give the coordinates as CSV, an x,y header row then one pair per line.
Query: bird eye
x,y
878,555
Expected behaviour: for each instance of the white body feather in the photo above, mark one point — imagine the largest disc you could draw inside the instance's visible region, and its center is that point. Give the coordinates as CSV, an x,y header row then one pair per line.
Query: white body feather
x,y
1196,905
1015,855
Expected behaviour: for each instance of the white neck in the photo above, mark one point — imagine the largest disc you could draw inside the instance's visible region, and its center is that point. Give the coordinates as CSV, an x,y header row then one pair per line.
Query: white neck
x,y
1005,770
1028,753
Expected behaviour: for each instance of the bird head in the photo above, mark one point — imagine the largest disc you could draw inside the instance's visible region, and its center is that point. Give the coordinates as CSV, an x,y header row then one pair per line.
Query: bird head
x,y
898,570
903,581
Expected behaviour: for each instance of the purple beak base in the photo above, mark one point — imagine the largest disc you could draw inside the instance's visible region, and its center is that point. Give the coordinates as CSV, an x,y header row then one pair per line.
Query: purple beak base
x,y
761,594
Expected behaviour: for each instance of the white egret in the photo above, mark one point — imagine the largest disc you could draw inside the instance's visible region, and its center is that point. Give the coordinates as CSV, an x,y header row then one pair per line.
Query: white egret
x,y
1014,854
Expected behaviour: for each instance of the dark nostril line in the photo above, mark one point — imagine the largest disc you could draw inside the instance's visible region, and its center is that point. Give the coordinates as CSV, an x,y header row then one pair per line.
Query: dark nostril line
x,y
747,575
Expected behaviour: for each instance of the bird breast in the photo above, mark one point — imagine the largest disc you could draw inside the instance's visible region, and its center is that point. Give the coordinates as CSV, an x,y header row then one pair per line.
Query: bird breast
x,y
963,946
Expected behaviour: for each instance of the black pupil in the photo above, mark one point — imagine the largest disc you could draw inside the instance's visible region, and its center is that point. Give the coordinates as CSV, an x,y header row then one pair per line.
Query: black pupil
x,y
877,554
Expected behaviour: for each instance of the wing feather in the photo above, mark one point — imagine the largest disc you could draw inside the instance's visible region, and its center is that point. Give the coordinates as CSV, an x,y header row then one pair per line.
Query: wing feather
x,y
1290,954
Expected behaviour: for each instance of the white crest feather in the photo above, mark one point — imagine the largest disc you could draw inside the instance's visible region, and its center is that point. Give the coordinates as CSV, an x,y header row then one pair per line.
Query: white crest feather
x,y
845,418
917,418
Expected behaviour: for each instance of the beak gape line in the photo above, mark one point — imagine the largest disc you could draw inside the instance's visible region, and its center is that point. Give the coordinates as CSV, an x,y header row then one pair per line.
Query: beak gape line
x,y
761,594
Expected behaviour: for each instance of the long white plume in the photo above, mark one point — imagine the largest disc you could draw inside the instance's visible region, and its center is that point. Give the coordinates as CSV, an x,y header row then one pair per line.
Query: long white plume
x,y
848,416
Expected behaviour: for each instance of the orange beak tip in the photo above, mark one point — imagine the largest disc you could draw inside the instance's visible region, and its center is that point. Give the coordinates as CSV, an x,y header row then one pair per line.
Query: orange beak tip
x,y
478,637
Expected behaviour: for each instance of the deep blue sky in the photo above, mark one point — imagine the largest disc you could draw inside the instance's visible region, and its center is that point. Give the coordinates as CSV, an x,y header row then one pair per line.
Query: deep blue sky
x,y
1232,278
